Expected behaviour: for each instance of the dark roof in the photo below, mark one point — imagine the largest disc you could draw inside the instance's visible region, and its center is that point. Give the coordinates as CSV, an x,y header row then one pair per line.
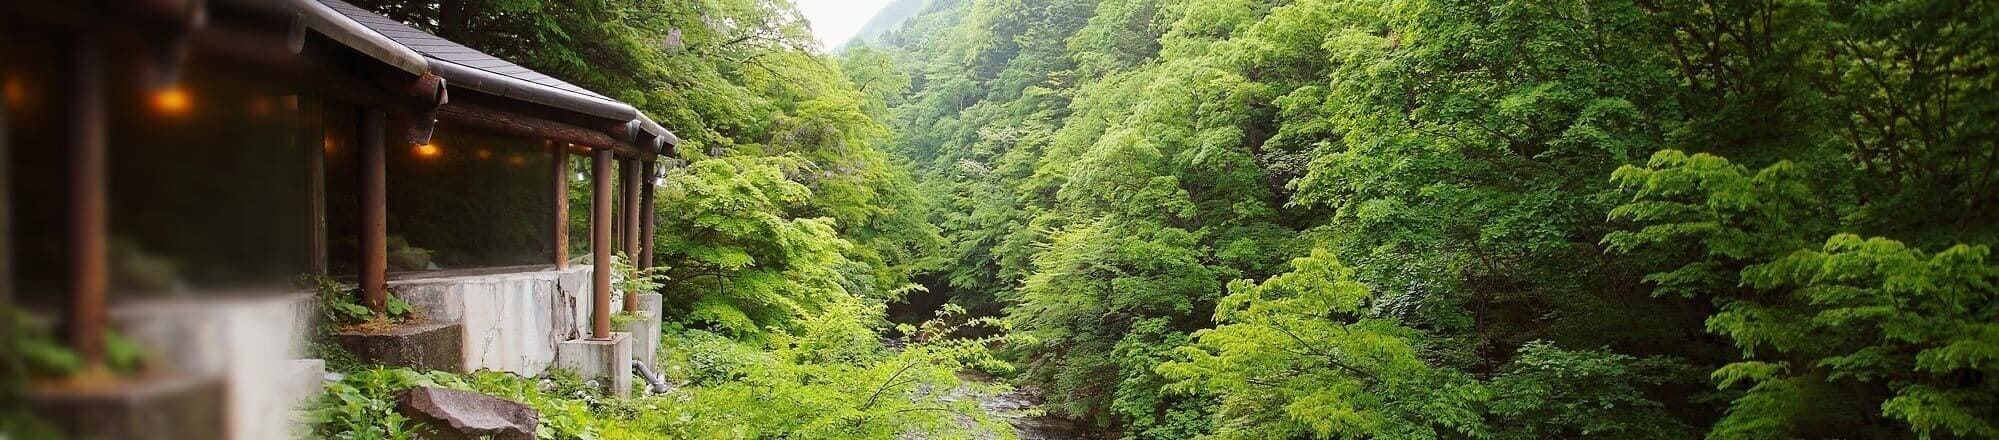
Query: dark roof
x,y
416,51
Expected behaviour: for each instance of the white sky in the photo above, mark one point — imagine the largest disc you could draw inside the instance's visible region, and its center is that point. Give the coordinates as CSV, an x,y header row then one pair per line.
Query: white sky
x,y
835,21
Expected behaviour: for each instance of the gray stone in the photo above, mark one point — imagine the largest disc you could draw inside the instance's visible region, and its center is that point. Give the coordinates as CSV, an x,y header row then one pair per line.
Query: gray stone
x,y
428,346
453,414
607,360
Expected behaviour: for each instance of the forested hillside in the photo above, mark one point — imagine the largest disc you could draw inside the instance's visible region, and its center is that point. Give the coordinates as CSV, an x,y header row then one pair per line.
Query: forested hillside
x,y
1466,219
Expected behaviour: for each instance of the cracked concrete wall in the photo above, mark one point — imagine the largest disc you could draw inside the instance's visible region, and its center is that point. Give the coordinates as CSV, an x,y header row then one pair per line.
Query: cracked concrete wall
x,y
512,321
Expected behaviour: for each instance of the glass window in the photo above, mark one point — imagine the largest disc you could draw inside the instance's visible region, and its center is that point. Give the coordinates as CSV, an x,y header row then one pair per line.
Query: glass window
x,y
208,180
341,147
36,166
579,207
468,199
580,195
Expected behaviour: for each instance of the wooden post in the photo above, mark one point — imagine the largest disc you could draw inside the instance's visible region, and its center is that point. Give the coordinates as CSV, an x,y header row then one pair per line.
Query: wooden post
x,y
89,277
561,228
631,223
600,245
651,218
374,212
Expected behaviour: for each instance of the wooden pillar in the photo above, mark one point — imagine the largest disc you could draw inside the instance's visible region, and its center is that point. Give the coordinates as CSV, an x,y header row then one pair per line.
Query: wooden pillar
x,y
600,245
561,227
631,223
648,228
89,277
374,212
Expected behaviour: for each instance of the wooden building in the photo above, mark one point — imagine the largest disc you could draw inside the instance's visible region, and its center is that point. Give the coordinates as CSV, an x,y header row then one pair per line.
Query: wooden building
x,y
160,150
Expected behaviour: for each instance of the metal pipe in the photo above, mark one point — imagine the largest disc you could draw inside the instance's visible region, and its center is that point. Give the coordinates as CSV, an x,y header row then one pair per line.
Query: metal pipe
x,y
655,383
89,276
561,227
431,94
600,245
374,212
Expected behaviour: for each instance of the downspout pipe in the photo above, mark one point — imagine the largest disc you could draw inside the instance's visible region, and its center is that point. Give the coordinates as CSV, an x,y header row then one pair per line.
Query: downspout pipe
x,y
431,93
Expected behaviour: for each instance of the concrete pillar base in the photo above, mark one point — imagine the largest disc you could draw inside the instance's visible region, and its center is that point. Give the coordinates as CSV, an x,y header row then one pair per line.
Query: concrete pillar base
x,y
426,346
645,332
161,407
608,361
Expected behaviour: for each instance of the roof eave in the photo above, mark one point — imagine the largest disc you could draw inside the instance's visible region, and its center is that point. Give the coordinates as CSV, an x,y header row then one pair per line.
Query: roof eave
x,y
333,24
457,75
341,28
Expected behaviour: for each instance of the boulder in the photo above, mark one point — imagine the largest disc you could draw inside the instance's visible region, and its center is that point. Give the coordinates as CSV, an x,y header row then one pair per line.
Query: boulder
x,y
453,414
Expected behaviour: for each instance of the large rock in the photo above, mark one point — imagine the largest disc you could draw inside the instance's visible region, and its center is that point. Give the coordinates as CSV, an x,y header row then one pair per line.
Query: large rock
x,y
453,414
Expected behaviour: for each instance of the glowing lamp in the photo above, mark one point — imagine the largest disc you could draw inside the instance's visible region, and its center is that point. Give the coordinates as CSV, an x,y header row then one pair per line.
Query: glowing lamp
x,y
172,100
17,93
485,153
428,150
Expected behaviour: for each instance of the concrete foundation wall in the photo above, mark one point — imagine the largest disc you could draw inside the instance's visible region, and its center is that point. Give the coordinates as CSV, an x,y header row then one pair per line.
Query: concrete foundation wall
x,y
513,321
252,342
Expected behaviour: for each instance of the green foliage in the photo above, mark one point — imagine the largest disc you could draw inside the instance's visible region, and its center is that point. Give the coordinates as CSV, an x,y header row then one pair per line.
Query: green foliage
x,y
33,352
834,380
622,321
1094,290
1548,392
745,265
1874,313
1714,213
628,279
341,305
1827,334
1297,356
24,350
362,404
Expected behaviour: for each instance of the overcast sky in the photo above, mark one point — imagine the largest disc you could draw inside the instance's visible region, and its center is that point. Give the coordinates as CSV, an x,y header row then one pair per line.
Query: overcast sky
x,y
835,21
